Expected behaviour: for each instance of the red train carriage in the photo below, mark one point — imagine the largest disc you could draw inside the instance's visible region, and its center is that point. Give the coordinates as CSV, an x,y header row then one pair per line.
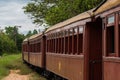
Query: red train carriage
x,y
85,47
35,50
25,51
66,47
110,14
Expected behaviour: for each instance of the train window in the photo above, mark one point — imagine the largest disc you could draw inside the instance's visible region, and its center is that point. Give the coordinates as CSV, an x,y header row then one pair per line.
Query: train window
x,y
56,35
60,34
70,31
75,30
110,35
59,45
81,29
110,40
75,44
111,19
62,45
52,35
66,32
63,33
70,45
56,45
48,47
80,40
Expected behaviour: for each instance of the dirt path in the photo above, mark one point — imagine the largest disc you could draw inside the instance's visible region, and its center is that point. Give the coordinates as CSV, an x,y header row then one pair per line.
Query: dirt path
x,y
15,76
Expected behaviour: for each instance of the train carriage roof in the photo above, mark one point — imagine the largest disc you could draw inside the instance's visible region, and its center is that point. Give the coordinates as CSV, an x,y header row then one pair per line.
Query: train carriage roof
x,y
25,39
81,16
107,5
32,37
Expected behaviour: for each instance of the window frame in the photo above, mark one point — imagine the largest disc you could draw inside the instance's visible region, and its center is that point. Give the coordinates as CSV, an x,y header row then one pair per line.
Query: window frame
x,y
113,23
108,25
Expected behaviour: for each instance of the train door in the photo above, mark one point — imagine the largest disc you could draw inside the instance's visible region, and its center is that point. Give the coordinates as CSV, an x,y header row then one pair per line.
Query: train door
x,y
93,50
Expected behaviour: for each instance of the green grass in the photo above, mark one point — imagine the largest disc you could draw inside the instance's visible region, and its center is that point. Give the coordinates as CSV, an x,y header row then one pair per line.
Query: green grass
x,y
14,62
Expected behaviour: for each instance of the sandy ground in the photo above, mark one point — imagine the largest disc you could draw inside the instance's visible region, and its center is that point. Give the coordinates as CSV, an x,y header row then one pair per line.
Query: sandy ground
x,y
15,76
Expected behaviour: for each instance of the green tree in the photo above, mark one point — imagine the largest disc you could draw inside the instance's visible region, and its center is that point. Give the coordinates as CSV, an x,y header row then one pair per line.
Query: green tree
x,y
29,34
7,45
55,11
12,32
35,31
20,38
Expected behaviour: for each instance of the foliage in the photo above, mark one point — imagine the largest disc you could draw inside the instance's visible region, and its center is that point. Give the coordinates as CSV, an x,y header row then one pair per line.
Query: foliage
x,y
35,31
30,33
55,11
20,38
6,44
12,33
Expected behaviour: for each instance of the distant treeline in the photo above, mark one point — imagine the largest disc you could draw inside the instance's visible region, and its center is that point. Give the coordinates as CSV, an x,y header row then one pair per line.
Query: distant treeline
x,y
11,40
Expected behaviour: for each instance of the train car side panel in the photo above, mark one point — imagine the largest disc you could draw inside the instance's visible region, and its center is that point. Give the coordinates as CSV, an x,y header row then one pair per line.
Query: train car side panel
x,y
111,69
64,65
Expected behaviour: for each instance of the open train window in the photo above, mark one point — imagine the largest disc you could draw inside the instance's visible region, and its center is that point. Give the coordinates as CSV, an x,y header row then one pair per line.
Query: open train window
x,y
110,40
70,31
74,40
66,44
66,32
80,39
70,41
110,20
80,29
110,35
62,42
75,31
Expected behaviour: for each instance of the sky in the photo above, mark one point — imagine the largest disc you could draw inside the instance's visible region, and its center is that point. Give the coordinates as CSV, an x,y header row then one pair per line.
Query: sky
x,y
11,14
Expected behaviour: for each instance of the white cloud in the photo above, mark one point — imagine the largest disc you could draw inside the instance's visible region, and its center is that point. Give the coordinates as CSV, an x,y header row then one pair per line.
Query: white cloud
x,y
11,13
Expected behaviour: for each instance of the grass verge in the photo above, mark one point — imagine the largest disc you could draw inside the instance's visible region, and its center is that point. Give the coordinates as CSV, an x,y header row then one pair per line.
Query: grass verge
x,y
14,62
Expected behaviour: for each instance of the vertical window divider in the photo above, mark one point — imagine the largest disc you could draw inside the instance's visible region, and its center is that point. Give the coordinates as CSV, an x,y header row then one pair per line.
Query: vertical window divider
x,y
117,34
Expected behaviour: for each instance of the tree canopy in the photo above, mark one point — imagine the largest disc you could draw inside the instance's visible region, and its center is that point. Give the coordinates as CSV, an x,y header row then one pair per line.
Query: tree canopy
x,y
55,11
6,44
30,33
11,40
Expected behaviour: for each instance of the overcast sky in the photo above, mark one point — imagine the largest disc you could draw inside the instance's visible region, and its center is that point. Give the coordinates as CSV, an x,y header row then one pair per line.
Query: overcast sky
x,y
11,13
